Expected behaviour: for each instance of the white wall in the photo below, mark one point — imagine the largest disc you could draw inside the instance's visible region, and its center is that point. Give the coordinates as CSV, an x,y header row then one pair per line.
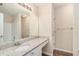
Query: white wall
x,y
76,30
64,25
7,27
33,21
1,25
16,26
46,25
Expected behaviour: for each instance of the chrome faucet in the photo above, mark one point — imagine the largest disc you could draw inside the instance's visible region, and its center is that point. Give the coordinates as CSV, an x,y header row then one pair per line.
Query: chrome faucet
x,y
15,43
13,38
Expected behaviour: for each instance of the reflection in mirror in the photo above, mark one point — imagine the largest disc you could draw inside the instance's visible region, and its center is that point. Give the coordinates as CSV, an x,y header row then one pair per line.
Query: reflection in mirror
x,y
1,27
7,27
24,26
16,23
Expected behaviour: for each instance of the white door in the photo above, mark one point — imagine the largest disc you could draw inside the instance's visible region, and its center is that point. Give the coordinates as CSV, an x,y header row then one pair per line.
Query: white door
x,y
1,27
64,27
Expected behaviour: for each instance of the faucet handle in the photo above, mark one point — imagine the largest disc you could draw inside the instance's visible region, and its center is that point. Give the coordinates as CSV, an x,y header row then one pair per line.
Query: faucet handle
x,y
13,38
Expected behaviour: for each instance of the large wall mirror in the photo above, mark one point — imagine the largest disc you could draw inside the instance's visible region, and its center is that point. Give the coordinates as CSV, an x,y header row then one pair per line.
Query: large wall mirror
x,y
16,23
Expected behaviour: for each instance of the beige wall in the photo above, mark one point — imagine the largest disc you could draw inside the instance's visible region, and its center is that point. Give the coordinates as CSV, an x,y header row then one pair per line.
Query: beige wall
x,y
46,25
33,21
8,18
64,25
24,27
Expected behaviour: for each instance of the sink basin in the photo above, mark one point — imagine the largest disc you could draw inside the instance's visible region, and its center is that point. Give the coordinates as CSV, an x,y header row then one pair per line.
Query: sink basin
x,y
25,44
22,48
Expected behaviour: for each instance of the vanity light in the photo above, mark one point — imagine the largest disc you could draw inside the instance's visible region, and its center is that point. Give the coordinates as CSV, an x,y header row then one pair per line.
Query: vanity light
x,y
25,6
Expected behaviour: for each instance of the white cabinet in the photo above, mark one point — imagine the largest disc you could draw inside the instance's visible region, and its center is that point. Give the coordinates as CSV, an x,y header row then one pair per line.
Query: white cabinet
x,y
36,52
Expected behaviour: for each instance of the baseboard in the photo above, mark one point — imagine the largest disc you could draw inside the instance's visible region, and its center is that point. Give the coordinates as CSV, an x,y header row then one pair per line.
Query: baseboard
x,y
47,53
64,50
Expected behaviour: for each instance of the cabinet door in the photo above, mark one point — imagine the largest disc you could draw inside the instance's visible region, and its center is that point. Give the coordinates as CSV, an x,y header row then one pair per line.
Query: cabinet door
x,y
36,52
1,27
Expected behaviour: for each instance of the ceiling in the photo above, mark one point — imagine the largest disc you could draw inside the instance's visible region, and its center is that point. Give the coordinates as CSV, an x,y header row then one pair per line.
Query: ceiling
x,y
56,5
13,9
40,4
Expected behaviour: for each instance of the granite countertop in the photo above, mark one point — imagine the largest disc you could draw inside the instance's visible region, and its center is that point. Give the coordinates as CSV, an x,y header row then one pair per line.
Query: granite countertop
x,y
32,44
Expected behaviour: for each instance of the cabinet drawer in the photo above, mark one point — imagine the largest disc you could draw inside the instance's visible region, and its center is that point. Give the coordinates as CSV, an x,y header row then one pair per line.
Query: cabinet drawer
x,y
36,52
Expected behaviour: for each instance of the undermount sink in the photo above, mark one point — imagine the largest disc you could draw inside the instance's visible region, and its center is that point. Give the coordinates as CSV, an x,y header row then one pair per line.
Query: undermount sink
x,y
25,44
22,48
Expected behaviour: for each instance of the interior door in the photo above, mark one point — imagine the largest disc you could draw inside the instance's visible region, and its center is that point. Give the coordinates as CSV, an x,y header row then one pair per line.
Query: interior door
x,y
64,27
1,27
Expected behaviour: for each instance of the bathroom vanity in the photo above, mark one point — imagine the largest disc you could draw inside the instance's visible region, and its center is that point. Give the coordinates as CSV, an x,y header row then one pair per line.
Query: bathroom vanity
x,y
19,31
31,47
